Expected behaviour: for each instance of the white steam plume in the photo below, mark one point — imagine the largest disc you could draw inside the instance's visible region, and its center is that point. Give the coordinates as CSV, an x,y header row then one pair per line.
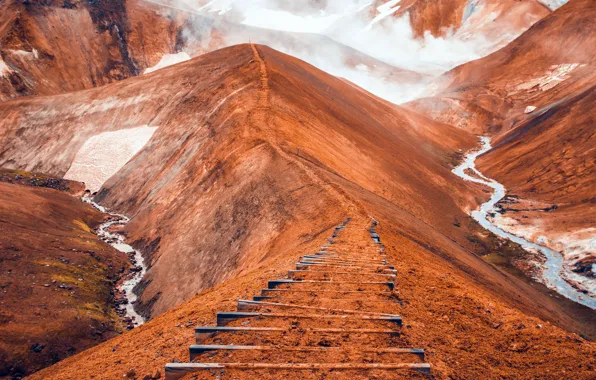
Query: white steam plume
x,y
375,53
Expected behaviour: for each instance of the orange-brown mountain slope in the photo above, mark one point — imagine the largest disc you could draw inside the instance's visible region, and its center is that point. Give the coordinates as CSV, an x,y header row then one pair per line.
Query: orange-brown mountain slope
x,y
51,47
489,18
204,194
56,275
536,99
467,330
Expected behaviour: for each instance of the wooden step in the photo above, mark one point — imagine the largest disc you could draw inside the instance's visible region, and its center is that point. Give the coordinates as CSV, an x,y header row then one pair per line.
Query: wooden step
x,y
332,337
341,272
326,285
347,268
351,254
303,354
344,260
376,257
202,348
360,256
176,371
309,320
300,299
302,265
244,305
355,294
343,263
334,315
388,306
339,275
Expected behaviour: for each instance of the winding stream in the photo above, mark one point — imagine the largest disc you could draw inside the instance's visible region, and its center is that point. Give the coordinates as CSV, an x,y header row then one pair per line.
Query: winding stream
x,y
117,241
554,272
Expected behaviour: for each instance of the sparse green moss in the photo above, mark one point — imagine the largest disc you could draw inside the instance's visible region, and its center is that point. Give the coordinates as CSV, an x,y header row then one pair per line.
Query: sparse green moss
x,y
53,263
82,225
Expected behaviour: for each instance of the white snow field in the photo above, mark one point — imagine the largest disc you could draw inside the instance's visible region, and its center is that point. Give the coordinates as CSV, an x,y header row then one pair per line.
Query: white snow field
x,y
168,60
104,154
4,69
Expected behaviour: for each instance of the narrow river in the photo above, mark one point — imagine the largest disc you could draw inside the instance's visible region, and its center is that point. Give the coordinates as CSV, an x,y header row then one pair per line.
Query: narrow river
x,y
117,241
554,267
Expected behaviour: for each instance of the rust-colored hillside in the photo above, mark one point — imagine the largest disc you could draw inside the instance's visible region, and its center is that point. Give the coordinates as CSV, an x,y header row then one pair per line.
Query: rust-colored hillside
x,y
532,70
210,137
466,330
51,47
56,275
256,157
440,18
534,98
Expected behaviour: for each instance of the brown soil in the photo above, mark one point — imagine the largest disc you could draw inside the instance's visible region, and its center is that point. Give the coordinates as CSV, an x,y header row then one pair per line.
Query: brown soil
x,y
79,44
466,330
56,276
21,177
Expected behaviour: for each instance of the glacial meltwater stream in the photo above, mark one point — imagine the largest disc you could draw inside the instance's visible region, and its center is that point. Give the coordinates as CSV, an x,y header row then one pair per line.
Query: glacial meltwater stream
x,y
553,269
117,241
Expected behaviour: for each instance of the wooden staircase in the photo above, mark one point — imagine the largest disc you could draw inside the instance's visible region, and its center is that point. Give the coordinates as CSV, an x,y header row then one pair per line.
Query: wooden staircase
x,y
333,317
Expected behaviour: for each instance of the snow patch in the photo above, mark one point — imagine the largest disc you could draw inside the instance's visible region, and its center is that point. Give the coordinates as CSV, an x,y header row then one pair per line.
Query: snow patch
x,y
530,109
168,60
103,155
385,10
84,108
554,4
4,69
34,54
555,75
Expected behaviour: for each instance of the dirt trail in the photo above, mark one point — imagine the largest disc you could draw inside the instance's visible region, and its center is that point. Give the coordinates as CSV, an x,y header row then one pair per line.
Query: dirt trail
x,y
262,116
264,93
334,315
